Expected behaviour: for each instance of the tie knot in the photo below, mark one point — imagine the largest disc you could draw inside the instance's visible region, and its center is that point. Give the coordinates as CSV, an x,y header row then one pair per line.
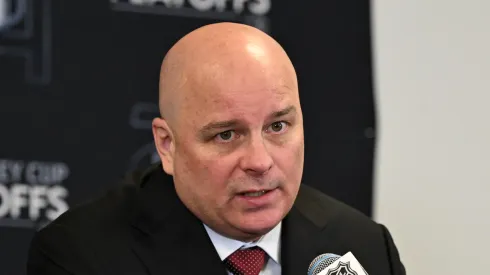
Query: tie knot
x,y
246,261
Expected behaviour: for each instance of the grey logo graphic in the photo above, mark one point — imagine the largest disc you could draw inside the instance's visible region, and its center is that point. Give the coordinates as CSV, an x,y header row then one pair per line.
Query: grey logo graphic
x,y
144,156
140,117
342,269
142,113
25,35
250,12
32,193
10,14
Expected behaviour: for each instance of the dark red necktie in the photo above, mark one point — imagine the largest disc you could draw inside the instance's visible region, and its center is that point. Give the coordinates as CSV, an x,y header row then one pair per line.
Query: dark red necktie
x,y
246,261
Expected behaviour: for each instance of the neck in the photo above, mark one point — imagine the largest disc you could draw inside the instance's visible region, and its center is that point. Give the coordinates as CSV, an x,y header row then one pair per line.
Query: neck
x,y
245,237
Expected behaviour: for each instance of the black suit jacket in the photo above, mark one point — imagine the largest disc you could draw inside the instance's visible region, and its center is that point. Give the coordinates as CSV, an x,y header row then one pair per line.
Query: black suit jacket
x,y
143,228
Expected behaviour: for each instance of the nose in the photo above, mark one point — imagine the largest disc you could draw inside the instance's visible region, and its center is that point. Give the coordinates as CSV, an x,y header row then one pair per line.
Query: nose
x,y
257,160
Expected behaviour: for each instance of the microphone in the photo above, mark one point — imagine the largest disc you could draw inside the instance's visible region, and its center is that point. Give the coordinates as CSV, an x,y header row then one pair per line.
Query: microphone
x,y
321,262
332,264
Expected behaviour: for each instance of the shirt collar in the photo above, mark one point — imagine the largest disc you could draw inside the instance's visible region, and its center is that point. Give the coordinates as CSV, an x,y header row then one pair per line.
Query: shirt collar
x,y
270,243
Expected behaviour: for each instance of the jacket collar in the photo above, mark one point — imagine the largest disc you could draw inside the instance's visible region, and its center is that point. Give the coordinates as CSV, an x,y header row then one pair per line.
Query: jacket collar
x,y
168,238
162,221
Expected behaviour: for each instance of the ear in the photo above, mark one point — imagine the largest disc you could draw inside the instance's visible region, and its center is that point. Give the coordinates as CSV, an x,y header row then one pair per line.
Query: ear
x,y
164,143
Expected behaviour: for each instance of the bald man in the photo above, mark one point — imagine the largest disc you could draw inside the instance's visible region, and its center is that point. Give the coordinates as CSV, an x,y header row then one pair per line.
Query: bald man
x,y
226,197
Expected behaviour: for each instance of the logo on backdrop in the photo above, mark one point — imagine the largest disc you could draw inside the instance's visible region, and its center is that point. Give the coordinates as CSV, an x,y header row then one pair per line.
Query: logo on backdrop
x,y
25,35
250,12
140,117
32,192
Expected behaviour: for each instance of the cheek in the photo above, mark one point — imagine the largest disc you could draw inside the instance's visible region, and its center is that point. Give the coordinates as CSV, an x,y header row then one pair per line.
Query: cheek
x,y
209,173
290,159
219,172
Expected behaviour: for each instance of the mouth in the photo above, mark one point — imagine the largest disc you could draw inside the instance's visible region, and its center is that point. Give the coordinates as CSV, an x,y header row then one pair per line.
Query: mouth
x,y
258,198
254,193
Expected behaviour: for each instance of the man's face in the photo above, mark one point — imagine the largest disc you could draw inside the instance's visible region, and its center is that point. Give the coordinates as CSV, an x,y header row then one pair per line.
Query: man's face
x,y
239,149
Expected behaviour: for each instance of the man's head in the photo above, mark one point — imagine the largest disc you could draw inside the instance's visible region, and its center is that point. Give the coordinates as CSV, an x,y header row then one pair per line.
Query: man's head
x,y
231,125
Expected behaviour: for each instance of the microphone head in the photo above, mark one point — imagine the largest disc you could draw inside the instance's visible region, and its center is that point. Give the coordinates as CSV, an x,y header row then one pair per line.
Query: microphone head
x,y
321,262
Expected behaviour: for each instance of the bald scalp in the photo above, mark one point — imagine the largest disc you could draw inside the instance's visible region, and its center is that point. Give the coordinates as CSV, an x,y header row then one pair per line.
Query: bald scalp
x,y
207,53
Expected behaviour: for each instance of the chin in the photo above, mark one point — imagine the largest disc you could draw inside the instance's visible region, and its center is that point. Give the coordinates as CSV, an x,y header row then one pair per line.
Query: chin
x,y
261,223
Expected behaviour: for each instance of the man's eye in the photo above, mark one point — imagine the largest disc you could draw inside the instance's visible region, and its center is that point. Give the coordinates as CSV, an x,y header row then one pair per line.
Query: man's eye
x,y
227,135
278,126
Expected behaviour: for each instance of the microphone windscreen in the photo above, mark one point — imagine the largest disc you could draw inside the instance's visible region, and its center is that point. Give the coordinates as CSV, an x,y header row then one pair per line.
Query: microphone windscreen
x,y
321,262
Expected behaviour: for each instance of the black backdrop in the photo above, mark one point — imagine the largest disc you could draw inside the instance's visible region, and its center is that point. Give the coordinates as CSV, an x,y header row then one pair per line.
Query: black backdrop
x,y
78,89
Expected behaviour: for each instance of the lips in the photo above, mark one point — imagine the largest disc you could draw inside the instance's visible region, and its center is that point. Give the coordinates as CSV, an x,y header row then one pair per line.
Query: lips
x,y
254,193
257,198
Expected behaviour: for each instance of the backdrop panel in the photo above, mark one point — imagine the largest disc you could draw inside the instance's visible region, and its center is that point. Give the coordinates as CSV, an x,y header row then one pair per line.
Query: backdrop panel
x,y
79,85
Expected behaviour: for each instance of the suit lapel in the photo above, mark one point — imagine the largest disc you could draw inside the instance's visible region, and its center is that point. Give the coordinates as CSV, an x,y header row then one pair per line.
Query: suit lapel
x,y
298,246
303,237
168,238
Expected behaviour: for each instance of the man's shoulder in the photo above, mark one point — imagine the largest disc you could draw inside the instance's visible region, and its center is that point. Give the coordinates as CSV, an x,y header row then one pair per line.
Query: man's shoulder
x,y
111,208
87,232
323,210
343,228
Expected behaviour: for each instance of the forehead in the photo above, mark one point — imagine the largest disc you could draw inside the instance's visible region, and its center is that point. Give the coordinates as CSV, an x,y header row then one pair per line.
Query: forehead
x,y
237,90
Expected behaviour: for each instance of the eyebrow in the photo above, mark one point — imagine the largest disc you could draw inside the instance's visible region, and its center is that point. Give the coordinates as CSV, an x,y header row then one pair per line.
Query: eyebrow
x,y
213,126
218,125
283,112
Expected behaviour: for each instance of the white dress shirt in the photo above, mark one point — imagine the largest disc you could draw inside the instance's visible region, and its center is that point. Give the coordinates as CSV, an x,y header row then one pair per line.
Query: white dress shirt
x,y
270,243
